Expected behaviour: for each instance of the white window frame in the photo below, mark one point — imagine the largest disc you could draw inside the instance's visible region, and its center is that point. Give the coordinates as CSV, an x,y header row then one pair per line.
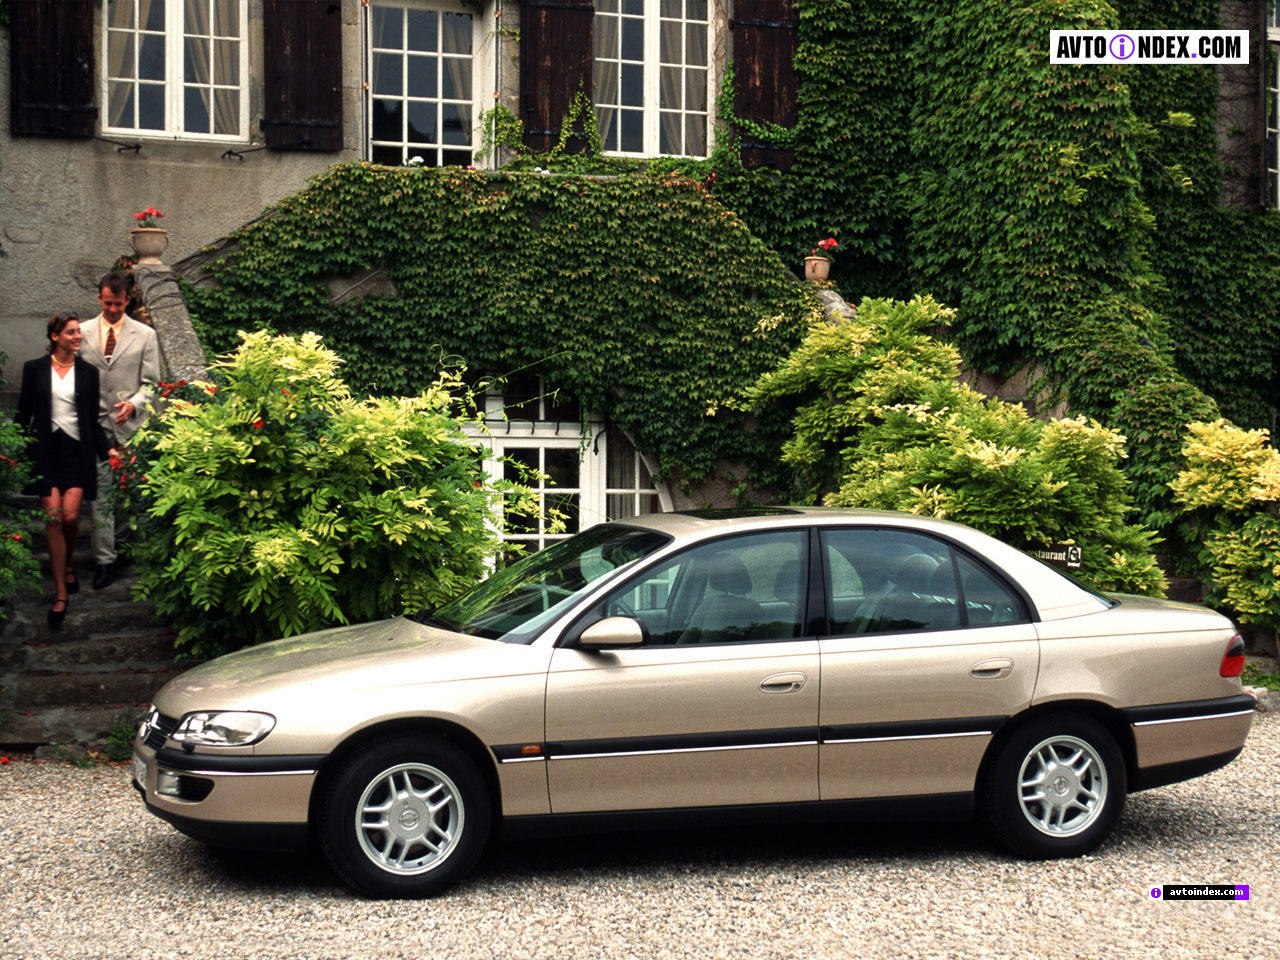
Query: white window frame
x,y
175,81
483,52
1271,64
653,83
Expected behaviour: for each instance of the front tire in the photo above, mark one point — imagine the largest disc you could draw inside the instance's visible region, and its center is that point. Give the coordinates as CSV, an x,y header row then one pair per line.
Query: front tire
x,y
1056,788
406,817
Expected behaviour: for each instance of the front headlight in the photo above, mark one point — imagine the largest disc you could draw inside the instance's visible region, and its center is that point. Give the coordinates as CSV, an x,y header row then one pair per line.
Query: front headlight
x,y
223,728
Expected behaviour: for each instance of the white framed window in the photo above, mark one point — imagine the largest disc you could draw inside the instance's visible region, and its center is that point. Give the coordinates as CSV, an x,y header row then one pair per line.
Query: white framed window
x,y
1272,67
651,77
176,68
425,64
587,475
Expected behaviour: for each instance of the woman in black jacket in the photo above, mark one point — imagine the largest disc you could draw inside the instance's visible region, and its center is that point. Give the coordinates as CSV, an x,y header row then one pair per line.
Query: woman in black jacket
x,y
58,405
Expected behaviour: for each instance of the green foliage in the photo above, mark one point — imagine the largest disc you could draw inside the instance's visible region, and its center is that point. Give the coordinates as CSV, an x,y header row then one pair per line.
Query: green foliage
x,y
1230,492
18,567
883,422
641,296
279,504
1255,676
124,727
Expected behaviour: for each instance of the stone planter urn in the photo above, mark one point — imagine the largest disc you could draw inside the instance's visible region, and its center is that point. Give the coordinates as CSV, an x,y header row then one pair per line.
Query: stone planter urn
x,y
148,243
816,268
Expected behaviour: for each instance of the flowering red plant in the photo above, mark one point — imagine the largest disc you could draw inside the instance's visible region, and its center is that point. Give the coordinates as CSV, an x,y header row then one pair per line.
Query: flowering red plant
x,y
148,217
824,248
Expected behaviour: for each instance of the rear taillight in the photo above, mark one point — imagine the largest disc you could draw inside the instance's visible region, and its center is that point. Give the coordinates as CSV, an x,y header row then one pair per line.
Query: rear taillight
x,y
1233,659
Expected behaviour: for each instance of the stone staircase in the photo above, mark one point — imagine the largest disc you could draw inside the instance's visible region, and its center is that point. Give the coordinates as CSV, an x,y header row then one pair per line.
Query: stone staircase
x,y
95,672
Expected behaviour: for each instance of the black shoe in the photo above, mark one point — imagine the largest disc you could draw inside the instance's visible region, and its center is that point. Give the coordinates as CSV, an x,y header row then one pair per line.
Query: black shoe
x,y
73,582
57,616
104,576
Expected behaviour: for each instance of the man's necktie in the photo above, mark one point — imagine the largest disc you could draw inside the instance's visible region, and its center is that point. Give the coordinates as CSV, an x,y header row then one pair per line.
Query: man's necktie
x,y
111,342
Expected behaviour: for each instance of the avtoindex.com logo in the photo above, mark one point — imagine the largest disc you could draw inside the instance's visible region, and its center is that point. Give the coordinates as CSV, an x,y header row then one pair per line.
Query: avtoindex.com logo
x,y
1201,891
1149,46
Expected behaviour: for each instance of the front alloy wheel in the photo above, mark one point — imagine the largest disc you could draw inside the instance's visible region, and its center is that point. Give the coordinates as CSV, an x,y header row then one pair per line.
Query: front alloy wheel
x,y
1056,787
406,817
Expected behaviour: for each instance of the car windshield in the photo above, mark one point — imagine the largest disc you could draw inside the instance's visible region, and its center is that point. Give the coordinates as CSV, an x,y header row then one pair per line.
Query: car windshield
x,y
516,603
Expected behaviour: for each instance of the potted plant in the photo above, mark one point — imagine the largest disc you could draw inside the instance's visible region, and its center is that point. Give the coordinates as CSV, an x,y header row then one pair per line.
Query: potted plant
x,y
148,240
817,265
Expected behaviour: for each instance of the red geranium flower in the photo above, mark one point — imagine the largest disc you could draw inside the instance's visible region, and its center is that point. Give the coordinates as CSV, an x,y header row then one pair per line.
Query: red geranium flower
x,y
259,424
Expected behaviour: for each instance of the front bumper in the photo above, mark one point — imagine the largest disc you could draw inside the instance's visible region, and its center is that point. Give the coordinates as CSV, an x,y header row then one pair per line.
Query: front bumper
x,y
236,800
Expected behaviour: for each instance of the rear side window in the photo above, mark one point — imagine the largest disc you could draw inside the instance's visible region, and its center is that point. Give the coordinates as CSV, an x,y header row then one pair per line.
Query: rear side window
x,y
896,581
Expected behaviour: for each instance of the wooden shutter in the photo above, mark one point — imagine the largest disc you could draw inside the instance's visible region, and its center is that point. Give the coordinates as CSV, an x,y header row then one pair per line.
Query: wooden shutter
x,y
764,50
555,62
302,55
51,90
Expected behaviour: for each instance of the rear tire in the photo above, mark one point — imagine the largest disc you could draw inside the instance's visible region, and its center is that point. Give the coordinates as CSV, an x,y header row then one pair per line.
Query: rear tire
x,y
406,817
1056,787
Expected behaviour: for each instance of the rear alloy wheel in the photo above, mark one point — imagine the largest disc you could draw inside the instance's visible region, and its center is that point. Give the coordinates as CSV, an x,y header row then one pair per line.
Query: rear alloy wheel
x,y
405,818
1056,788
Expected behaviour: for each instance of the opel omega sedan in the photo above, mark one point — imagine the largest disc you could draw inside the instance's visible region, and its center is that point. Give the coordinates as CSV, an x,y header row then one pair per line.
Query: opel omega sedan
x,y
765,663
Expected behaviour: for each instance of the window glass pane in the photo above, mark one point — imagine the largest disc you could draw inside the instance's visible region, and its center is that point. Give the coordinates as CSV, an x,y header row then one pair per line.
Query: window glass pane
x,y
455,126
563,510
670,46
649,503
631,131
669,134
455,32
226,18
632,39
607,6
120,54
386,74
620,470
423,29
387,120
605,37
197,17
561,467
456,80
422,123
607,122
422,76
150,106
605,76
457,158
632,93
739,590
151,58
695,90
388,27
987,601
619,506
695,48
226,62
526,457
695,136
390,156
671,8
151,13
696,9
633,7
195,60
883,581
121,14
669,88
560,406
195,110
120,105
226,111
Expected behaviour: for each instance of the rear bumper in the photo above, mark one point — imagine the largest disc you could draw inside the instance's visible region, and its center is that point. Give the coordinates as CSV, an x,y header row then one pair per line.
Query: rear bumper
x,y
1178,741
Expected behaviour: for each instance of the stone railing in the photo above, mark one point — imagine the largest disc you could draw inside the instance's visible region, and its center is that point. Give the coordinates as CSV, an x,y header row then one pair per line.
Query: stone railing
x,y
180,349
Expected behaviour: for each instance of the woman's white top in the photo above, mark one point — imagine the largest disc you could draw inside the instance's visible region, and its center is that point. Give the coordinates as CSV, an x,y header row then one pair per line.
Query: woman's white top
x,y
64,402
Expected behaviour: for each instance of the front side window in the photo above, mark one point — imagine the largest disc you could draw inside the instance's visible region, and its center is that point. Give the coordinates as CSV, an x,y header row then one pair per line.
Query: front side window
x,y
421,67
743,589
651,76
176,68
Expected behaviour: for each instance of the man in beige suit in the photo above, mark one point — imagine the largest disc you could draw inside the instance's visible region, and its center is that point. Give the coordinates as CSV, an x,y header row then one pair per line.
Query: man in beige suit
x,y
127,356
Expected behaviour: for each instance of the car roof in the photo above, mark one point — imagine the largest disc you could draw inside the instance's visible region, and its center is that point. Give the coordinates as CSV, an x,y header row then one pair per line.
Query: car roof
x,y
1052,594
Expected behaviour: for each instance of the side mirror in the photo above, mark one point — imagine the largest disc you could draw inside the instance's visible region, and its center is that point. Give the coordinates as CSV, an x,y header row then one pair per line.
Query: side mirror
x,y
612,632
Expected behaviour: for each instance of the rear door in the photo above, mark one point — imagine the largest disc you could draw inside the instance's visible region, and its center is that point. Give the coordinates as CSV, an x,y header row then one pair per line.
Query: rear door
x,y
926,651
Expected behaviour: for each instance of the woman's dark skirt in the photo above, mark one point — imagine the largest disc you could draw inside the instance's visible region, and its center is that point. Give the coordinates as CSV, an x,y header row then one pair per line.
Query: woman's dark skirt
x,y
67,466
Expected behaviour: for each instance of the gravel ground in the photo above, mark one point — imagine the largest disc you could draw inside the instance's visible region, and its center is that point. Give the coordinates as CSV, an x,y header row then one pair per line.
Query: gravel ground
x,y
88,873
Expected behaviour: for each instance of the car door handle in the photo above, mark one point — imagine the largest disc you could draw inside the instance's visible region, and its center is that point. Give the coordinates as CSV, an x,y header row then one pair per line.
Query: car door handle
x,y
992,669
783,683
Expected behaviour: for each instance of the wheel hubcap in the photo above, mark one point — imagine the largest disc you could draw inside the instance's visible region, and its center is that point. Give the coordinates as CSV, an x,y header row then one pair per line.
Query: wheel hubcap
x,y
1062,786
409,818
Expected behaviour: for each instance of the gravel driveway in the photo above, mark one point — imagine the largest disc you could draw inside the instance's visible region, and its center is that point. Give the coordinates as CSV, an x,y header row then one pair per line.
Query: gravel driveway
x,y
88,873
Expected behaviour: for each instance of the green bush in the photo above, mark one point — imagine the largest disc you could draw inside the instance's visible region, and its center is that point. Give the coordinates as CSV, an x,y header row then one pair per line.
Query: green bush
x,y
280,504
883,422
18,567
1230,494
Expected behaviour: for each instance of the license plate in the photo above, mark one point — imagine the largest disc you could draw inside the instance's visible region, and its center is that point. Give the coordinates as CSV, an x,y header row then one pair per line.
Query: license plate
x,y
140,771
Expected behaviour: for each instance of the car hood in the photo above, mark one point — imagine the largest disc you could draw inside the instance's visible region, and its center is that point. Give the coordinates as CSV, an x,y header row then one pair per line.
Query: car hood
x,y
384,653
